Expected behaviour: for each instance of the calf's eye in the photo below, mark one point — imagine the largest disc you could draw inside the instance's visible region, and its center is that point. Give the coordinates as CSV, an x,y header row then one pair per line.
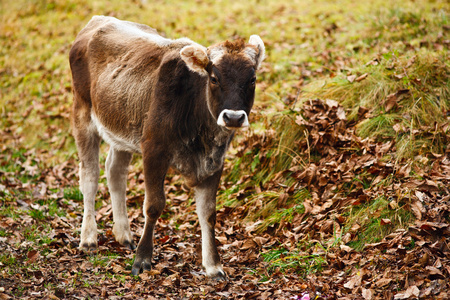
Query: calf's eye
x,y
214,80
253,81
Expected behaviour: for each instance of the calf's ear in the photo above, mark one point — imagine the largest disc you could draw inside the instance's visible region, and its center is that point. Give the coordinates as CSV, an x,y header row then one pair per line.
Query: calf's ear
x,y
195,58
256,50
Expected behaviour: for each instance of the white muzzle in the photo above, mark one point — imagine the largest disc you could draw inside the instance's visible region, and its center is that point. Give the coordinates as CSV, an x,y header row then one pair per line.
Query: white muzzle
x,y
233,118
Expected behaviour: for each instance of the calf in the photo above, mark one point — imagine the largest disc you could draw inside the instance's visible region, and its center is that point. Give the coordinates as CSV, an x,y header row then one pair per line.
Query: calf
x,y
175,102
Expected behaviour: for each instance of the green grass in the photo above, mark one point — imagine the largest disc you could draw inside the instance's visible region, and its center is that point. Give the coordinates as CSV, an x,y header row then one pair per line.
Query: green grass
x,y
399,48
8,259
38,233
369,217
4,233
302,262
313,48
47,208
425,74
73,193
11,212
36,214
103,259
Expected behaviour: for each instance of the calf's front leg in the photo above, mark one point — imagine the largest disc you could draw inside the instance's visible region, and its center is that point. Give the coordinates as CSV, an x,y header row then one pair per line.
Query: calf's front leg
x,y
205,196
155,168
153,207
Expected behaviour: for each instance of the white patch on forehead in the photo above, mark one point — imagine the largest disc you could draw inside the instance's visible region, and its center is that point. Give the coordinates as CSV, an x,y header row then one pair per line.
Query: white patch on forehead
x,y
215,54
115,141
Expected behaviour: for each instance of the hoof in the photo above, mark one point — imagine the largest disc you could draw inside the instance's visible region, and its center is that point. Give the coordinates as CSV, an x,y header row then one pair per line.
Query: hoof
x,y
123,235
221,276
217,274
130,245
140,266
88,247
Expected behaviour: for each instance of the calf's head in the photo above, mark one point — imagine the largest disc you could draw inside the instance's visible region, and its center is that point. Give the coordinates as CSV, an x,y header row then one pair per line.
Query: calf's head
x,y
231,71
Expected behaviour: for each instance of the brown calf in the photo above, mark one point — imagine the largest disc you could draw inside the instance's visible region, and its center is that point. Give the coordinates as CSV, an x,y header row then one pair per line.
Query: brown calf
x,y
175,102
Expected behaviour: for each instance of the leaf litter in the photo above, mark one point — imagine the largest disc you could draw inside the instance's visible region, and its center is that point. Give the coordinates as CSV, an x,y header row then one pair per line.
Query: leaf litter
x,y
41,258
341,172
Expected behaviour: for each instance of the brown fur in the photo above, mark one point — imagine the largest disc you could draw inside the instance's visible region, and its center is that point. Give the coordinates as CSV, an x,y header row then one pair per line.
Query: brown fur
x,y
234,47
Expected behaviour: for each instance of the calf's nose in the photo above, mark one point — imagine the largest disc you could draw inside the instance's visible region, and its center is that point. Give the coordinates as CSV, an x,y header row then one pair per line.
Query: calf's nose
x,y
233,118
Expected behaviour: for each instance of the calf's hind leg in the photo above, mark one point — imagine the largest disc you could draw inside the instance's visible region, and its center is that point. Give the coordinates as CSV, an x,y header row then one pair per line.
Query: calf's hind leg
x,y
88,143
116,173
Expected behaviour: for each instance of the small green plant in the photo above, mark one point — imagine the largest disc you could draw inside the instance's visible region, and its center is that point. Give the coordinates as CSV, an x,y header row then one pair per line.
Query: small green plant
x,y
55,209
45,240
47,208
11,212
8,259
303,262
18,292
36,214
73,193
86,283
411,245
49,286
4,233
38,233
32,233
369,216
99,260
102,260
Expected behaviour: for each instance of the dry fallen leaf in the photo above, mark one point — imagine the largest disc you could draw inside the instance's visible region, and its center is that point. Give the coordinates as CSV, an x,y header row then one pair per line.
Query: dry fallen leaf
x,y
362,77
32,255
385,221
353,282
351,78
332,103
261,241
367,294
410,292
383,282
341,113
417,209
346,248
433,270
248,244
392,100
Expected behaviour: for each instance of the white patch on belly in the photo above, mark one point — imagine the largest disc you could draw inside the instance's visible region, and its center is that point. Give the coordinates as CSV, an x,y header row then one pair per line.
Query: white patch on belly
x,y
117,142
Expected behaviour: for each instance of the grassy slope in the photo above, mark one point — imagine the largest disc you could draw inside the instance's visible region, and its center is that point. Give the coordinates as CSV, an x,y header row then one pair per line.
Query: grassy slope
x,y
306,43
312,50
361,57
